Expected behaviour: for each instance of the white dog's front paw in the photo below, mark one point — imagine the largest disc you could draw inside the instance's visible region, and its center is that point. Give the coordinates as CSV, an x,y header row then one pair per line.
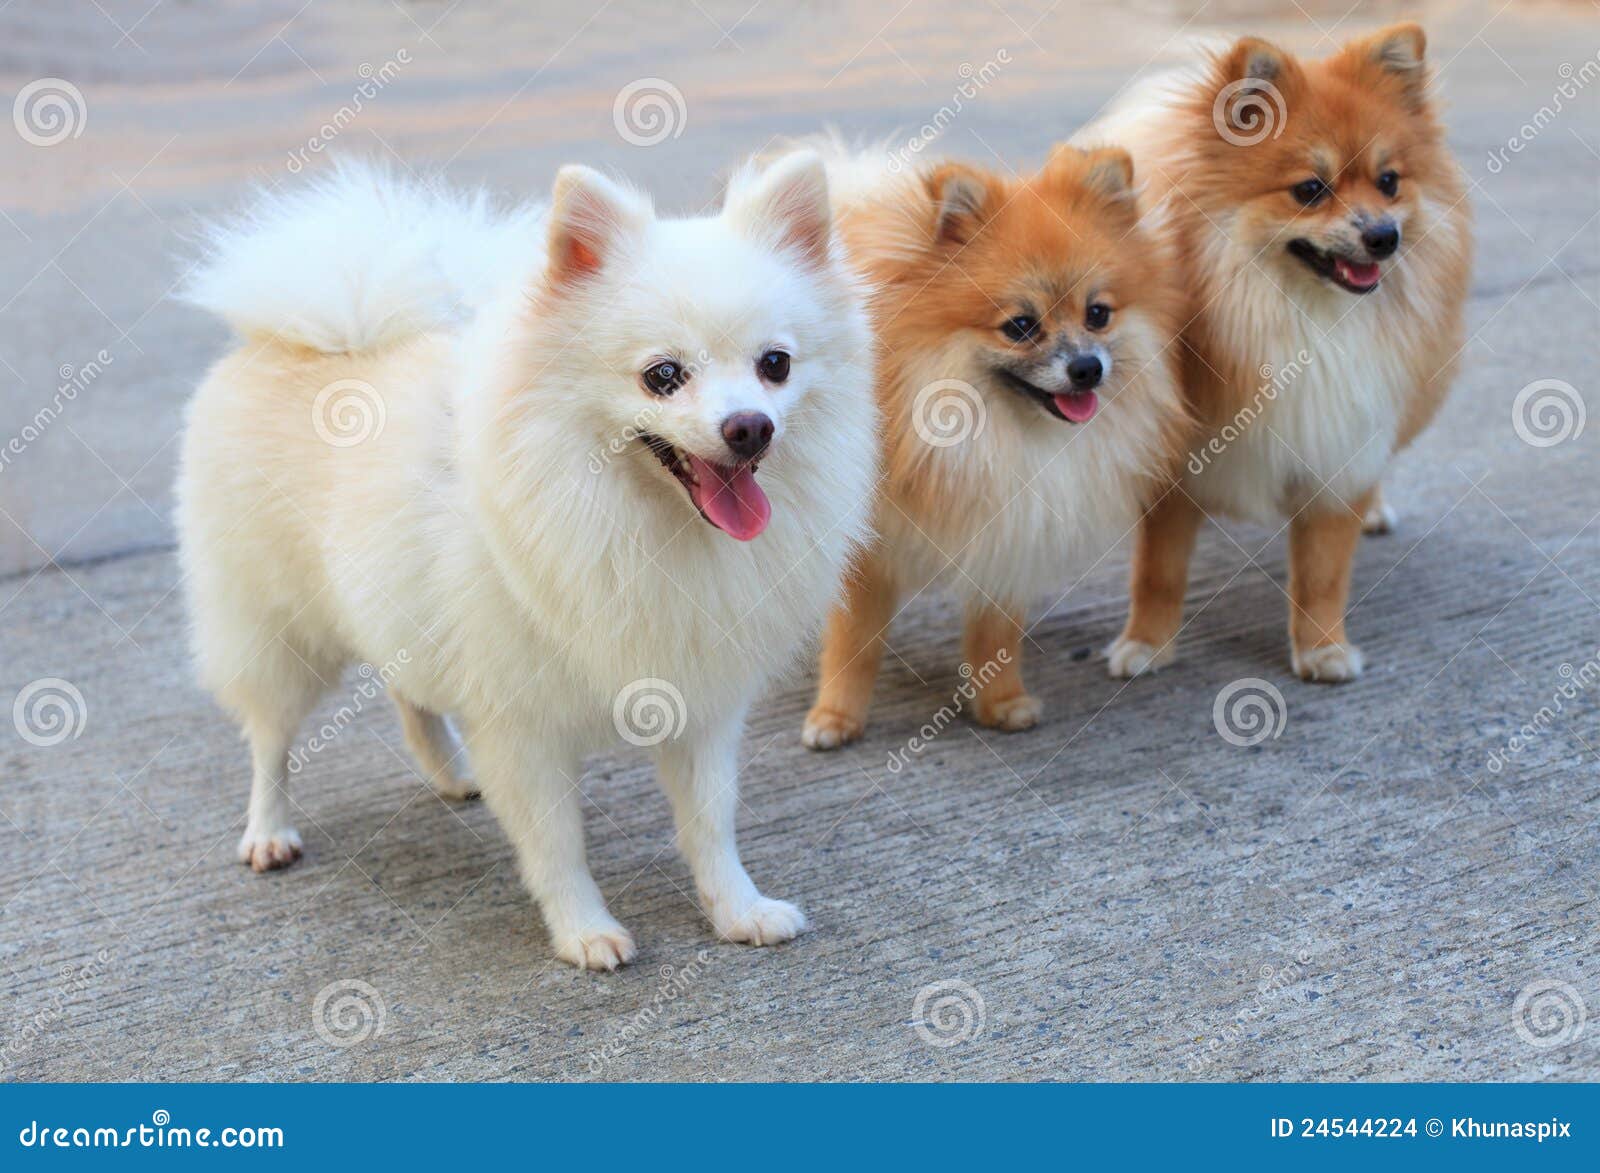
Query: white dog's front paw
x,y
761,922
602,945
1329,664
1127,658
450,785
267,851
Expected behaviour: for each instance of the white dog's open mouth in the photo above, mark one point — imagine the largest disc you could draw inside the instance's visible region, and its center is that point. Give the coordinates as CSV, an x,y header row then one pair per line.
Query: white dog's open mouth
x,y
725,494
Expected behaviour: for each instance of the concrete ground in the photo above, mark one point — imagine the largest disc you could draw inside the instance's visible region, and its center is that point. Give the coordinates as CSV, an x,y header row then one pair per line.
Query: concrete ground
x,y
1398,885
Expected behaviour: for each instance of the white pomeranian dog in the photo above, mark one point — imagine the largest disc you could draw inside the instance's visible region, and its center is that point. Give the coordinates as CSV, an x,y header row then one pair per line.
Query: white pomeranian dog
x,y
513,458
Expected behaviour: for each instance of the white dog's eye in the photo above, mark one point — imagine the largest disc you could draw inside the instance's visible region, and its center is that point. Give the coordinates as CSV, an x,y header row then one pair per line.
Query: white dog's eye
x,y
664,377
774,366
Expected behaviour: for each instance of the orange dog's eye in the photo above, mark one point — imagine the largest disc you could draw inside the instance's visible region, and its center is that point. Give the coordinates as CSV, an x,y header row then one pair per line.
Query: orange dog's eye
x,y
1020,328
1309,191
1389,183
1097,316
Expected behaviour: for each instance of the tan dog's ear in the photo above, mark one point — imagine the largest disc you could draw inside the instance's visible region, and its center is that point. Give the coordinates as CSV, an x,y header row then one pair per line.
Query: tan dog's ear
x,y
1397,53
1110,172
590,219
1254,81
961,200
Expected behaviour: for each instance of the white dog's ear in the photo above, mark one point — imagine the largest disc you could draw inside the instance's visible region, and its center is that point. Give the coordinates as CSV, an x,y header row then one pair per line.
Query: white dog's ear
x,y
590,219
788,205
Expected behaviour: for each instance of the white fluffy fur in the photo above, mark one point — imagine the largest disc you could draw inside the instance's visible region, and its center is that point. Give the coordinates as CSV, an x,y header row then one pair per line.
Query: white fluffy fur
x,y
527,591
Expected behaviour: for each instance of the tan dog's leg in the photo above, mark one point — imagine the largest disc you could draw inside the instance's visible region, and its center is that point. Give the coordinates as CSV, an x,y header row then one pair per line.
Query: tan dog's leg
x,y
992,647
1380,516
1322,546
1160,576
852,649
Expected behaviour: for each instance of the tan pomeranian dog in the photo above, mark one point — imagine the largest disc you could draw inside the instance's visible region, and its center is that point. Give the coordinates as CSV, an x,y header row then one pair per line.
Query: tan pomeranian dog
x,y
1027,386
1323,231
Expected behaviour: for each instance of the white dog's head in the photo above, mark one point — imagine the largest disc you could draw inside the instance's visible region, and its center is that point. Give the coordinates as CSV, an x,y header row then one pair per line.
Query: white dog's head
x,y
693,346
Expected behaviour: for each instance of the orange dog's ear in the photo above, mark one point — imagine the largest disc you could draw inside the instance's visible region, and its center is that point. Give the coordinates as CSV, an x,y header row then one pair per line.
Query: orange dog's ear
x,y
961,199
1110,172
1395,53
1255,83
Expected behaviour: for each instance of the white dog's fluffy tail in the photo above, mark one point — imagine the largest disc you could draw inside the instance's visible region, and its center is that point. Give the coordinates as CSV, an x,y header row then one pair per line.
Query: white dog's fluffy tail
x,y
361,258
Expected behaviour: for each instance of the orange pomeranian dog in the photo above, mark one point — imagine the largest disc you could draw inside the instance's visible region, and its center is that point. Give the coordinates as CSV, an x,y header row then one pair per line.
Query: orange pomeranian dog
x,y
1321,224
1027,386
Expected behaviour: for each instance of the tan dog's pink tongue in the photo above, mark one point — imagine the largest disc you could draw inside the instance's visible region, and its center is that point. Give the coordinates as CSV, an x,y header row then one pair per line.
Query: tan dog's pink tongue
x,y
1078,406
730,498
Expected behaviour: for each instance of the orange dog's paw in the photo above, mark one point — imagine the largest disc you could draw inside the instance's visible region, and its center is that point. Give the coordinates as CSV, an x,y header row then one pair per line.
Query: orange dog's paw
x,y
1380,519
1131,657
1013,714
829,729
1329,664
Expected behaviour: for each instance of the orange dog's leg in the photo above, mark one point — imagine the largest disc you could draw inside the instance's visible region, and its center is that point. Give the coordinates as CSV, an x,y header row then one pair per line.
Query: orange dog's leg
x,y
1322,545
992,648
1156,586
852,649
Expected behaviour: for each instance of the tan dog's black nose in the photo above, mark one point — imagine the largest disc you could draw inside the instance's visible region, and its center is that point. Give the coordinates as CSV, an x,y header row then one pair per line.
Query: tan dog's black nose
x,y
748,433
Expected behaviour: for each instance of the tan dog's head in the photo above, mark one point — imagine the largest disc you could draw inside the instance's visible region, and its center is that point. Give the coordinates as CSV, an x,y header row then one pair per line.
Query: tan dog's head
x,y
1323,169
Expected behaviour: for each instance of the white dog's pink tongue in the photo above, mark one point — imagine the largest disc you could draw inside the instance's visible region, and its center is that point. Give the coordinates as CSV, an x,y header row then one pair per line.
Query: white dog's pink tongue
x,y
730,498
1361,276
1077,406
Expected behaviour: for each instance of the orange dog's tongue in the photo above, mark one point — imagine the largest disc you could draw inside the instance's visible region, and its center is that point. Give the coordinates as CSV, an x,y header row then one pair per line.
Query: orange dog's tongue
x,y
1361,276
1077,406
730,498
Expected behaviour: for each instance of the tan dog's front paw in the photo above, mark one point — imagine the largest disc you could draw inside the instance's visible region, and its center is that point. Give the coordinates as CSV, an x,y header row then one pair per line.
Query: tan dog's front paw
x,y
604,946
1380,519
267,851
1127,658
829,729
1329,664
1013,714
763,922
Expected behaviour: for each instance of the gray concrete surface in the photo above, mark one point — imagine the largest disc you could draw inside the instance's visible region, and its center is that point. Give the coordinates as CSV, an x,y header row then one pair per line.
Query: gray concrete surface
x,y
1120,894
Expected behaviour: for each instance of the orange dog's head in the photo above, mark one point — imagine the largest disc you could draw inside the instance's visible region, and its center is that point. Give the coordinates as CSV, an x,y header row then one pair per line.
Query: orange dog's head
x,y
1327,169
1046,285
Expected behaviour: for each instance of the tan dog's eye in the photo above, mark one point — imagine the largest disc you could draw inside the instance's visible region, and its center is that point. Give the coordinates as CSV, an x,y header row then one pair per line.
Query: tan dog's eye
x,y
1097,316
1021,328
1309,191
1389,183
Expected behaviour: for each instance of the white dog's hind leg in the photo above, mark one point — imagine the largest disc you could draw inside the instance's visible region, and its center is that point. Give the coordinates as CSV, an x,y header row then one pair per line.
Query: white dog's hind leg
x,y
438,753
700,774
532,788
275,697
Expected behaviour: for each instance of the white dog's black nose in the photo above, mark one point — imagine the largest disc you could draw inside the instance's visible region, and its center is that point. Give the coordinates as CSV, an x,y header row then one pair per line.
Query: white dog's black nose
x,y
748,433
1085,371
